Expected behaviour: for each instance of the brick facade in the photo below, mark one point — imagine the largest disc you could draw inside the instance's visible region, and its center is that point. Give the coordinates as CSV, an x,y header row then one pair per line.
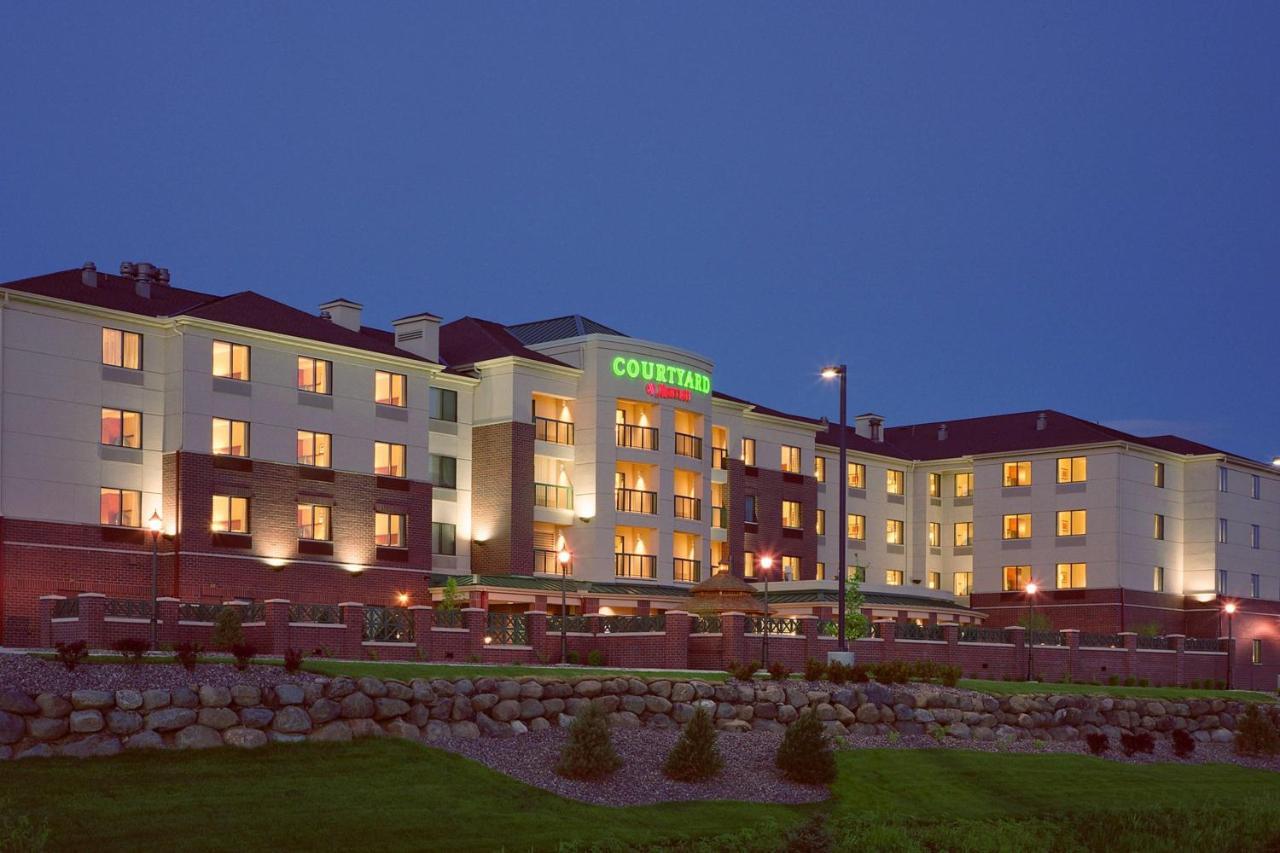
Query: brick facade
x,y
502,498
767,536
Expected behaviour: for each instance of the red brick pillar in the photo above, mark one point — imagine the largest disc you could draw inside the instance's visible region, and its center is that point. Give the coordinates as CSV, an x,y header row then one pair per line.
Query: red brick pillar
x,y
477,598
352,647
675,649
951,634
535,624
1073,649
1229,667
277,616
46,619
733,642
809,630
167,616
93,613
1130,653
475,620
642,608
422,617
887,631
1021,651
1178,643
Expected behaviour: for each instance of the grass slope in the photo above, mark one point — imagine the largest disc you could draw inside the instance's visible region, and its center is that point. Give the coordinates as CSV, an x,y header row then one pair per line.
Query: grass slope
x,y
1008,688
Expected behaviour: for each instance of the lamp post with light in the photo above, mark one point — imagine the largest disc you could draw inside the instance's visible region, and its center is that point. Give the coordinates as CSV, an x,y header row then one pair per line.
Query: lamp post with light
x,y
564,557
154,524
1230,609
766,565
831,372
1032,588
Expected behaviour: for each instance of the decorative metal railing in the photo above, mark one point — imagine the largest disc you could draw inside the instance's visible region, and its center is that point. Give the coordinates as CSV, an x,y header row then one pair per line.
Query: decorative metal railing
x,y
1046,638
688,445
639,437
447,617
1101,641
549,429
686,571
568,624
551,495
635,565
547,562
828,627
720,457
912,631
775,624
387,624
124,608
1204,644
634,500
249,612
687,507
974,634
1153,642
67,608
507,629
709,624
322,614
632,624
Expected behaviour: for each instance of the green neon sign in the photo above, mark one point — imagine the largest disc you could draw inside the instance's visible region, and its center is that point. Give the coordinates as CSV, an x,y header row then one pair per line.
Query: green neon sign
x,y
666,381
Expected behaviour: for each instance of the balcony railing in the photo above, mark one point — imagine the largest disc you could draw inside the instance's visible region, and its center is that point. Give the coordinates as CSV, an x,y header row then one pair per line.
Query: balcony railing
x,y
387,624
571,624
67,608
122,608
1090,640
688,445
974,634
321,614
687,507
507,629
912,631
556,497
448,617
775,624
705,624
720,517
634,500
719,457
1204,644
641,438
549,429
635,565
547,562
686,571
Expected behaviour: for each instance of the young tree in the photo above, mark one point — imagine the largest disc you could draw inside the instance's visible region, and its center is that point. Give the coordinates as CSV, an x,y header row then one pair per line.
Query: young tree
x,y
855,623
227,631
589,753
449,601
805,754
694,757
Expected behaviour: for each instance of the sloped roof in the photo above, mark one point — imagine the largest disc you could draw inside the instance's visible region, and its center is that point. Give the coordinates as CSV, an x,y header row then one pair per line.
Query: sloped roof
x,y
552,584
870,599
765,410
559,328
470,339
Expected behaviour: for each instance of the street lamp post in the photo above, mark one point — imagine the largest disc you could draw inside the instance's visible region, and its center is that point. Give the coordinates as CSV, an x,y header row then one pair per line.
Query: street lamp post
x,y
1032,589
831,372
564,557
766,564
154,523
1230,608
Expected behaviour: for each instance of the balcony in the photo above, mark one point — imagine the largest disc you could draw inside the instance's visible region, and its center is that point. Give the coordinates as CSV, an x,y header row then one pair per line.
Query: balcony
x,y
688,445
553,431
634,500
720,458
641,438
550,495
720,517
688,508
635,566
686,571
547,562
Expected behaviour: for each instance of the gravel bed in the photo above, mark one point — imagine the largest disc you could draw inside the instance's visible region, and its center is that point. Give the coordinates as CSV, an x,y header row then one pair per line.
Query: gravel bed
x,y
33,675
748,775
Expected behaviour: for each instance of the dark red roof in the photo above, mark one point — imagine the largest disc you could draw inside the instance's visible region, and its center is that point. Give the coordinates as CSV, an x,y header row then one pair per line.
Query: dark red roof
x,y
765,410
470,339
113,292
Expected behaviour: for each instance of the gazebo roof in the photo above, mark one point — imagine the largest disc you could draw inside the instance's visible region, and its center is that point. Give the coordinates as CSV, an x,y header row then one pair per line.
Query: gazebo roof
x,y
723,592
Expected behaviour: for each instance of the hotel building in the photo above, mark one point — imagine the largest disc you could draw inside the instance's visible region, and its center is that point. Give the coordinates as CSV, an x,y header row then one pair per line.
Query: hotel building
x,y
307,456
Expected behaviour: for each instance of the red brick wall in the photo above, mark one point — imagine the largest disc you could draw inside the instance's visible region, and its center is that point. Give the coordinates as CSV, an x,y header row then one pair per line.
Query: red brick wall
x,y
768,536
1096,610
502,498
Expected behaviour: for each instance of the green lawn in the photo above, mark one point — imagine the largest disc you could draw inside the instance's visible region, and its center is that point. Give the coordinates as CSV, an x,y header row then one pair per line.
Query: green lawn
x,y
409,671
1008,688
399,796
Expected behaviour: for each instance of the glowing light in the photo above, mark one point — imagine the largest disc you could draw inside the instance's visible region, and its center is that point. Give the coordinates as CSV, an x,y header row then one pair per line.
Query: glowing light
x,y
564,556
830,372
353,568
1032,588
766,563
488,639
276,562
154,523
402,598
1230,607
606,611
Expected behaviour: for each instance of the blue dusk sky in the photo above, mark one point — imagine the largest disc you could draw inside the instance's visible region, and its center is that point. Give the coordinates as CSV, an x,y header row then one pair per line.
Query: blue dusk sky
x,y
981,207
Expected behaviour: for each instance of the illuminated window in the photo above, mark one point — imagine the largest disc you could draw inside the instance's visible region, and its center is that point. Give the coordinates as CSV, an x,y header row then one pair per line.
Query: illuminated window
x,y
120,508
819,469
859,573
1016,578
935,535
1158,479
749,452
893,534
1223,481
895,481
748,564
1222,530
230,438
1255,651
313,522
1255,586
444,471
314,449
935,485
857,475
856,527
231,361
820,571
1255,537
1073,469
820,526
893,577
964,485
790,459
121,428
1157,579
790,568
388,529
388,459
1017,474
934,580
1157,526
963,534
1071,575
1017,526
1256,492
122,349
791,515
314,375
230,514
750,516
444,404
1071,522
444,538
388,388
961,583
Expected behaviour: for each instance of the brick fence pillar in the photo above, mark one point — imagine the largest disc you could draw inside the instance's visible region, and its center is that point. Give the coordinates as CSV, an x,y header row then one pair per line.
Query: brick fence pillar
x,y
1021,651
535,625
1073,649
1130,653
167,617
951,635
352,647
733,641
675,648
887,631
1229,666
276,612
1178,642
47,603
809,630
422,617
476,621
93,613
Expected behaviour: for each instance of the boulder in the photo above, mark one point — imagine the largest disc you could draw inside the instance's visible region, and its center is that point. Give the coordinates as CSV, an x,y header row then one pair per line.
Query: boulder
x,y
422,691
244,738
867,713
635,704
531,708
371,687
16,702
217,718
506,711
128,700
84,722
214,697
660,721
183,697
530,690
661,688
290,694
124,722
464,687
461,707
283,737
733,725
399,690
464,729
40,750
53,705
484,701
245,695
47,728
336,731
588,687
401,729
365,728
519,728
144,740
324,710
540,724
419,715
553,706
152,699
607,704
959,731
682,712
624,720
291,720
787,714
682,692
435,730
256,718
83,700
359,706
340,688
197,737
388,708
490,727
96,745
767,726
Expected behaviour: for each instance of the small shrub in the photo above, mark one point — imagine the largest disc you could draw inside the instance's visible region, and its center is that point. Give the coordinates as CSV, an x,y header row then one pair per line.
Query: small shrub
x,y
1142,682
1183,743
779,671
187,654
589,753
938,733
1097,742
243,653
226,630
894,736
814,670
949,676
892,672
837,673
805,755
1113,680
812,836
1220,684
694,757
1130,681
573,658
293,660
742,671
859,674
1257,734
1143,742
1195,684
133,648
595,657
71,655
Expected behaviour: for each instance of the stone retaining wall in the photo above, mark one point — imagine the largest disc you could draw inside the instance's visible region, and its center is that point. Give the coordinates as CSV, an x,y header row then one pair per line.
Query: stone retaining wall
x,y
91,722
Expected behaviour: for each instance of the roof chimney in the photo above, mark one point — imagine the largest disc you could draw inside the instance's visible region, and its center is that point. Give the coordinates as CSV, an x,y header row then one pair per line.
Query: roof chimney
x,y
419,334
1042,421
869,426
162,276
143,275
942,433
344,312
89,274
